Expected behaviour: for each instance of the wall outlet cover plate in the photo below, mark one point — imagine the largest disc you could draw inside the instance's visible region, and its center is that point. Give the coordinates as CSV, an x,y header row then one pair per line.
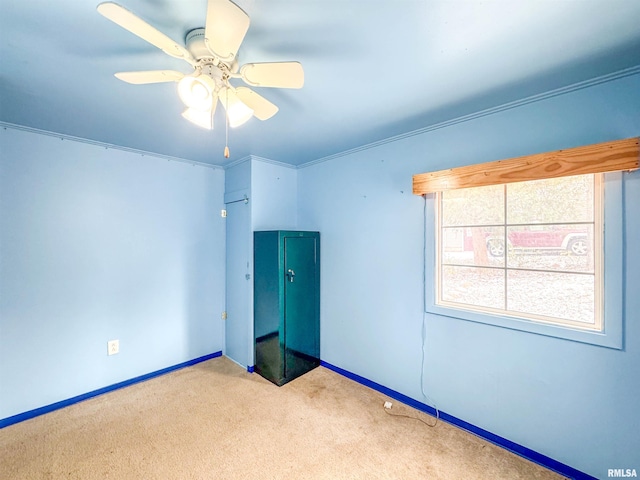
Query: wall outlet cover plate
x,y
113,347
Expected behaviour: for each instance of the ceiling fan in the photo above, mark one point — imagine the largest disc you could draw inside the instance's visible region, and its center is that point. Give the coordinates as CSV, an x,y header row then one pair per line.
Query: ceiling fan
x,y
212,52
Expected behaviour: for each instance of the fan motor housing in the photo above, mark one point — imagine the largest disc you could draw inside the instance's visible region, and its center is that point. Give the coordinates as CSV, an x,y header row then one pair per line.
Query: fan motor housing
x,y
196,45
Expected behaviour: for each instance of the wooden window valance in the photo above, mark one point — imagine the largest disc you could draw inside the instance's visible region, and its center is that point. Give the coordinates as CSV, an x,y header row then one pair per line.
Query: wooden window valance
x,y
598,158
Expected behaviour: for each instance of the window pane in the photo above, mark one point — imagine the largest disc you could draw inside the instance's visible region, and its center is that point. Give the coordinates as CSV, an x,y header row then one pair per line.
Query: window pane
x,y
540,262
480,246
473,206
559,295
551,247
555,200
483,287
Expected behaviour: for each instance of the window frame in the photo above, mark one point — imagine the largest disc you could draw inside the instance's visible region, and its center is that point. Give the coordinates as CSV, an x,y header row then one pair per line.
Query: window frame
x,y
611,279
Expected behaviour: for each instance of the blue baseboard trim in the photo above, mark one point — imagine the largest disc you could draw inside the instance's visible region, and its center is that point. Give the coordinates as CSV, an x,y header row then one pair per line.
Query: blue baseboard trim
x,y
513,447
21,417
250,369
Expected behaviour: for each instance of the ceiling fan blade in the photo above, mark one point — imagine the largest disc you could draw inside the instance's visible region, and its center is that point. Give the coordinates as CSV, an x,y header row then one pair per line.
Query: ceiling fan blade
x,y
262,108
225,28
280,75
150,76
142,29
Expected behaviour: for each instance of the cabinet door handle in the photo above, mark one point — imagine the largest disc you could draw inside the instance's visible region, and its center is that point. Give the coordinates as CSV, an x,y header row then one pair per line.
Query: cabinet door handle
x,y
290,275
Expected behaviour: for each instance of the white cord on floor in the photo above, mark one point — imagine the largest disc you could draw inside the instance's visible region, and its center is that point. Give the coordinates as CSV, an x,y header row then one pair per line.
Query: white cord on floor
x,y
387,406
424,309
388,412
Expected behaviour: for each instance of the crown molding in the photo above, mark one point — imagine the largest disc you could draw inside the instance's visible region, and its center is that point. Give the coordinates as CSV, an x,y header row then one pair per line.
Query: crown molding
x,y
237,162
272,162
144,153
258,159
482,113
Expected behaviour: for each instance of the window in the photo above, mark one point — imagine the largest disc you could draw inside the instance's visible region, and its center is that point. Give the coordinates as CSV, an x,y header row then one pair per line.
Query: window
x,y
532,243
528,250
611,274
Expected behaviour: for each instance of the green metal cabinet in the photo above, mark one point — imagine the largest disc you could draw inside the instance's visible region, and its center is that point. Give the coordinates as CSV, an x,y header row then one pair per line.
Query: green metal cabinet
x,y
286,303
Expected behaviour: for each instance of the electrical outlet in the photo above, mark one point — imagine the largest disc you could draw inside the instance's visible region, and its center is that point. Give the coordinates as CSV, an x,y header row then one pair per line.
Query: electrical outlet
x,y
113,347
388,405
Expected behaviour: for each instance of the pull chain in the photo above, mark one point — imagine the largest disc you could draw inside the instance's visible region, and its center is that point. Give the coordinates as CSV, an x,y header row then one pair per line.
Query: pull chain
x,y
226,133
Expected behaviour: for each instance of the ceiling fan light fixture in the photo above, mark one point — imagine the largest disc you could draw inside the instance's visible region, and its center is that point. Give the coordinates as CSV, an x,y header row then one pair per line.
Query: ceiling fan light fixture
x,y
201,118
212,52
197,92
238,112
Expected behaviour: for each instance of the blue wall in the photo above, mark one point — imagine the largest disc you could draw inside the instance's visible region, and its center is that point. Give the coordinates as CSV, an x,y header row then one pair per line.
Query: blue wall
x,y
272,189
239,289
574,402
99,244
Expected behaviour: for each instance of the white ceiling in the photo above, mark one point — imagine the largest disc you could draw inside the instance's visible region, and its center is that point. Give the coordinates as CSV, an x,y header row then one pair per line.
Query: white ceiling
x,y
373,68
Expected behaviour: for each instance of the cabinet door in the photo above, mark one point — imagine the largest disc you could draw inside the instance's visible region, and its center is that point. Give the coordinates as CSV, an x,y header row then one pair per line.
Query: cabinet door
x,y
268,285
301,322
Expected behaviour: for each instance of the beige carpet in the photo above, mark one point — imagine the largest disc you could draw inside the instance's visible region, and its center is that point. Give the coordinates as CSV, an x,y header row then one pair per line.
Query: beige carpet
x,y
216,421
